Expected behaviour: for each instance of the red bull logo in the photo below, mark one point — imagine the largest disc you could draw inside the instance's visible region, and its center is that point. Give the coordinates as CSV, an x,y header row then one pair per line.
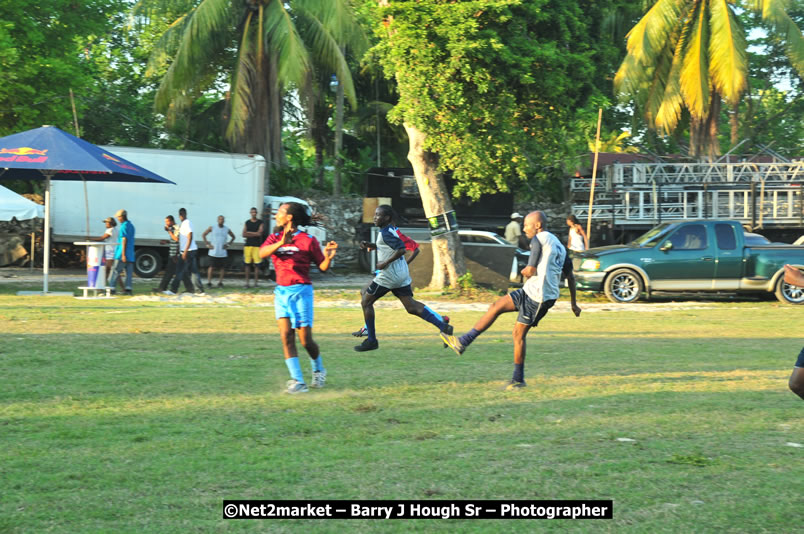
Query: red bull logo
x,y
119,163
23,154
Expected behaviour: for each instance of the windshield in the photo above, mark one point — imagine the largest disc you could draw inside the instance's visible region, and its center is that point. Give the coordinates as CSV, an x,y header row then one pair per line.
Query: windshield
x,y
652,236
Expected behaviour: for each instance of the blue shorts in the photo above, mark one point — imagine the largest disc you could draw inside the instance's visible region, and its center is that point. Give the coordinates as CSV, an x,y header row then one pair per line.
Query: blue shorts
x,y
800,361
296,303
530,312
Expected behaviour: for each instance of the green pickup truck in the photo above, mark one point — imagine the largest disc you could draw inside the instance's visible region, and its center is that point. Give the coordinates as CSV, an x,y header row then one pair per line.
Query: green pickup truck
x,y
700,255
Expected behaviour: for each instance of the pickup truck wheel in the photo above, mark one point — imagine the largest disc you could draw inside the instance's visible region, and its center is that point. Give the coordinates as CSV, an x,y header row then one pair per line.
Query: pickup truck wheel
x,y
789,294
623,286
147,262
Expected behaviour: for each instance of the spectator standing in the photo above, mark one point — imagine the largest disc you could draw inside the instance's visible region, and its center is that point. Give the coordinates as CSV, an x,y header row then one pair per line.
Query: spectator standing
x,y
514,229
217,248
253,232
110,236
173,257
577,240
124,253
188,256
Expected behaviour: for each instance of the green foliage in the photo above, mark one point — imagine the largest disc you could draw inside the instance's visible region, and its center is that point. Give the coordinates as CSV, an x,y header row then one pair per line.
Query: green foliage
x,y
494,84
45,52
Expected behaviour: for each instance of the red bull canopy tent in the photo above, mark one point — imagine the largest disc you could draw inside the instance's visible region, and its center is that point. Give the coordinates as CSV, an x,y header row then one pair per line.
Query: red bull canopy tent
x,y
48,153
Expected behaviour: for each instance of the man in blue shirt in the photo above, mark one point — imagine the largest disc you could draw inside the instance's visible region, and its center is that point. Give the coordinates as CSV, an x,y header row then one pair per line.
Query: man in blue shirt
x,y
124,254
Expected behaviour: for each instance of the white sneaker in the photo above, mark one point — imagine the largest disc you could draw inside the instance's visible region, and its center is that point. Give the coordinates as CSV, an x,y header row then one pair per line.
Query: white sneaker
x,y
169,293
294,386
319,377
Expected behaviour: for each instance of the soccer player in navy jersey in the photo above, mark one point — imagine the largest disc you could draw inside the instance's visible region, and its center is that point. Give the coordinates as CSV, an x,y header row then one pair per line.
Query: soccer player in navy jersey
x,y
793,276
292,252
548,261
393,277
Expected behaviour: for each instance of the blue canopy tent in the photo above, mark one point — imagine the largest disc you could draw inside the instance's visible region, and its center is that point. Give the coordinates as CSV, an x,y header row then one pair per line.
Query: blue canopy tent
x,y
48,153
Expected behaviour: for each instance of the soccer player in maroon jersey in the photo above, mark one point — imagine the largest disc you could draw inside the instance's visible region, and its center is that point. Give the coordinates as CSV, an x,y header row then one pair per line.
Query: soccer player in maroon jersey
x,y
293,251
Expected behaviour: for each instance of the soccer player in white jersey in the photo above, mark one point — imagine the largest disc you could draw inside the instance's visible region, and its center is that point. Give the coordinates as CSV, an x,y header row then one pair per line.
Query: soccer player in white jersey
x,y
393,277
548,260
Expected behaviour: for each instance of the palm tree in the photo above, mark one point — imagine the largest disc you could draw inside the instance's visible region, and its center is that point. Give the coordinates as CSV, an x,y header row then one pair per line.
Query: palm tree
x,y
690,54
267,45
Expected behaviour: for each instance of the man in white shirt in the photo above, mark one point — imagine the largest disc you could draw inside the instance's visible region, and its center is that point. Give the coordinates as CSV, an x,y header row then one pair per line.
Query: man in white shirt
x,y
188,256
217,246
513,230
548,260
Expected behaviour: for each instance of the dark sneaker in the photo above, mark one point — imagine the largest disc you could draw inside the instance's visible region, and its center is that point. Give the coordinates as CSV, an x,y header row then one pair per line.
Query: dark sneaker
x,y
453,343
209,284
513,384
220,284
362,332
128,292
367,345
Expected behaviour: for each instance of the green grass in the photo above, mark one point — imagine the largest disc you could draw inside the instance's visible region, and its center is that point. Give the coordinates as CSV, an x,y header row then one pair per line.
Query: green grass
x,y
126,416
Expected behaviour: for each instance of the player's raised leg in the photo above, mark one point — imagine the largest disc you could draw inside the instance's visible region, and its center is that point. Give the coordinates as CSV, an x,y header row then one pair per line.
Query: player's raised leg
x,y
414,307
459,344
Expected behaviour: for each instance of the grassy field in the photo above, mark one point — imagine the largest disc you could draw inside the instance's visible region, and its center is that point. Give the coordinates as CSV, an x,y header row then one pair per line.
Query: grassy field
x,y
132,416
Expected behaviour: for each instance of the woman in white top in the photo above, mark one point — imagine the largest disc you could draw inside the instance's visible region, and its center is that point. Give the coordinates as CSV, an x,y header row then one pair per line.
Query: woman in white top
x,y
577,240
110,236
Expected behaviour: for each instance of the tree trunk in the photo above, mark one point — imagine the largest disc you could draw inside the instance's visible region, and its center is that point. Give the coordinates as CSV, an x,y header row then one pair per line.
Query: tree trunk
x,y
734,124
448,259
712,144
336,181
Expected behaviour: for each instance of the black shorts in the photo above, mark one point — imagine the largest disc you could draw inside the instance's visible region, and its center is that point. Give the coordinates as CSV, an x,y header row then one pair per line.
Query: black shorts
x,y
217,263
530,312
800,361
379,291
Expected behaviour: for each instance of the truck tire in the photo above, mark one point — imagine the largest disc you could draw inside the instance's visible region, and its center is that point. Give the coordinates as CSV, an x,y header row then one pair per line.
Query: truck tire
x,y
148,262
623,286
789,294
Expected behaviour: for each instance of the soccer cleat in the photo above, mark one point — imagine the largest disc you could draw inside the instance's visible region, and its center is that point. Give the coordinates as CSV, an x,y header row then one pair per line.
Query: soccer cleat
x,y
294,386
362,332
169,293
367,345
453,343
319,377
513,384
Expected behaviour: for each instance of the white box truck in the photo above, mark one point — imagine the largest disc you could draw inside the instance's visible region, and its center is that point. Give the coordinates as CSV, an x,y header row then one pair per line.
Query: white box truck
x,y
208,184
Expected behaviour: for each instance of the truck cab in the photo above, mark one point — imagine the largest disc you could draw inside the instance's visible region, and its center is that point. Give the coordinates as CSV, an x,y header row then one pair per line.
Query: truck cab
x,y
698,255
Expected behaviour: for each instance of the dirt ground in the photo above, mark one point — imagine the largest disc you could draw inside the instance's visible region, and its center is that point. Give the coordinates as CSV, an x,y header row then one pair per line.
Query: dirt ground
x,y
330,293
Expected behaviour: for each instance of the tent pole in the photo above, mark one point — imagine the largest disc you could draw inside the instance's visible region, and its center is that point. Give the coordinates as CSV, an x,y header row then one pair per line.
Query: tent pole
x,y
46,268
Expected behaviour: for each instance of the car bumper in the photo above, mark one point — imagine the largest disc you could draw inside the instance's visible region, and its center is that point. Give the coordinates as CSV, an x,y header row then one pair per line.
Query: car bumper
x,y
589,281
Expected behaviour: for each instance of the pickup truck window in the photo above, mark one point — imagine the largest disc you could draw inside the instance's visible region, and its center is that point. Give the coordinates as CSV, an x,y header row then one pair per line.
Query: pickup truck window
x,y
652,236
725,237
690,237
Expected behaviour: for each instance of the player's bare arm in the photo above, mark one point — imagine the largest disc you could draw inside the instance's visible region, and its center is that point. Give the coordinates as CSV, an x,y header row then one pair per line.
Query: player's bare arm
x,y
329,252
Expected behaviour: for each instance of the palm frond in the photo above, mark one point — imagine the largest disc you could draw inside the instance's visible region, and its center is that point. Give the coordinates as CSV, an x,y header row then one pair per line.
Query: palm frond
x,y
283,39
202,36
694,79
329,54
728,67
664,81
647,39
339,19
242,102
775,14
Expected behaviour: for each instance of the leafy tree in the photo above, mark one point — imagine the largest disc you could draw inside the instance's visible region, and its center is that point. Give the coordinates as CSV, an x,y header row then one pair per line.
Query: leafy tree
x,y
262,45
45,48
691,54
487,89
